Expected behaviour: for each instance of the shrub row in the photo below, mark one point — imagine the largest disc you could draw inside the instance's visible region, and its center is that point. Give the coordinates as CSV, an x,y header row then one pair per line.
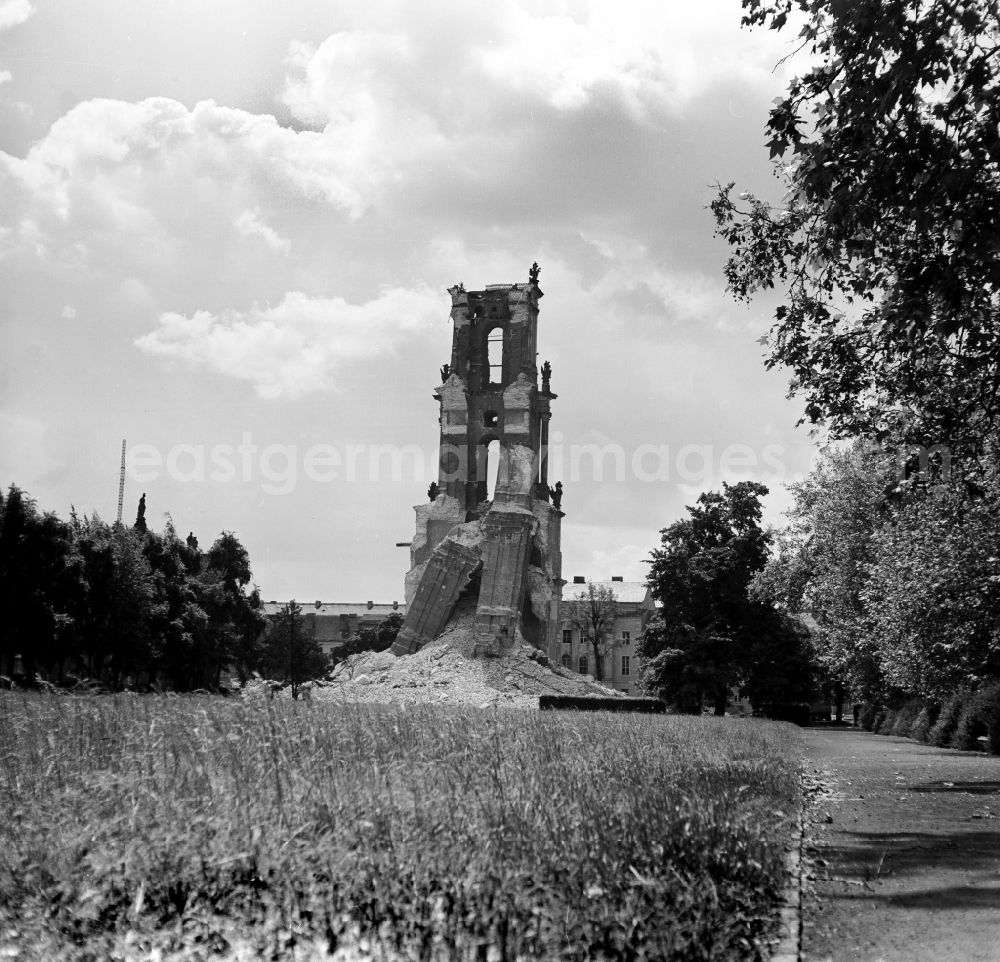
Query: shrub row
x,y
654,706
959,722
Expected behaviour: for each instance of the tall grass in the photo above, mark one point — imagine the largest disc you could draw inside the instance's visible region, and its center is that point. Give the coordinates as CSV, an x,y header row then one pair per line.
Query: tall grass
x,y
283,828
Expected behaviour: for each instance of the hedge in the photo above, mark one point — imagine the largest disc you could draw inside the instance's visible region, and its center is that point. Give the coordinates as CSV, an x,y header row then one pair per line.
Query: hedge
x,y
652,706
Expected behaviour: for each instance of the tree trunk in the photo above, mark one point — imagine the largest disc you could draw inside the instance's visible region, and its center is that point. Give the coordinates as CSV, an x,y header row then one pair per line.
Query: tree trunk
x,y
720,700
598,662
838,691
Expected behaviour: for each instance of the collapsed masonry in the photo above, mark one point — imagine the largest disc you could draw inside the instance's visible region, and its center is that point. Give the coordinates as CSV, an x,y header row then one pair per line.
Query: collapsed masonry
x,y
506,551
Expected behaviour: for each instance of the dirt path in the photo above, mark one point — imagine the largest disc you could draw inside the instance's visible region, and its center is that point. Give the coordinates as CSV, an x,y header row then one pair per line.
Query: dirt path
x,y
902,857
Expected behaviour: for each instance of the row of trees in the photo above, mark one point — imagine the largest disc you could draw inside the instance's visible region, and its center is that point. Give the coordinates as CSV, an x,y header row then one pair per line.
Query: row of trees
x,y
122,605
885,253
902,576
131,607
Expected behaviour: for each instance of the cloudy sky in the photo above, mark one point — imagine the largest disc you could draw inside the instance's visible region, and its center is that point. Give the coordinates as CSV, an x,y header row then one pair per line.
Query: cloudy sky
x,y
227,227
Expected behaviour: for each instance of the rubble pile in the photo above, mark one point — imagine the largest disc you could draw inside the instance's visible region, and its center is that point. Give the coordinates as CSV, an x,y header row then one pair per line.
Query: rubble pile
x,y
454,669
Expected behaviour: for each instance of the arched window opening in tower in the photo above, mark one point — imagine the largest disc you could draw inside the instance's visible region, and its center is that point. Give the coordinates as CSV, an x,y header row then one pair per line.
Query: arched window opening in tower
x,y
494,354
491,468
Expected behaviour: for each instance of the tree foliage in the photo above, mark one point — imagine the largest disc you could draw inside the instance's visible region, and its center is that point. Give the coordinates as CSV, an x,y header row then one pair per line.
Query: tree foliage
x,y
122,605
710,636
821,567
885,244
372,637
594,612
901,576
933,594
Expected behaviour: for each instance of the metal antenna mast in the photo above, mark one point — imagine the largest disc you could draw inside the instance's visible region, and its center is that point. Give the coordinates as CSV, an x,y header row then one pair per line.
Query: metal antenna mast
x,y
121,484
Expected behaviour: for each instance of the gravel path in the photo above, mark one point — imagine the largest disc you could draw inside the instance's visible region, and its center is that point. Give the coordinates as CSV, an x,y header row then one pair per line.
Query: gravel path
x,y
902,853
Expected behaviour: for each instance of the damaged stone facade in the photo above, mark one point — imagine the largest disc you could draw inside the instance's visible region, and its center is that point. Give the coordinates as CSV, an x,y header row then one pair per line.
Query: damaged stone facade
x,y
502,550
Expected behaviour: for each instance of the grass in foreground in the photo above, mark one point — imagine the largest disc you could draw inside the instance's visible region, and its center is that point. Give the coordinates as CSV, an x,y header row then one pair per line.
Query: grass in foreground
x,y
197,828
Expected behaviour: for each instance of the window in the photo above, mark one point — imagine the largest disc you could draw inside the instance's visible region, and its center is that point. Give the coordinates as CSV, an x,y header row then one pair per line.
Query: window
x,y
625,665
566,661
494,354
567,636
583,665
626,637
488,467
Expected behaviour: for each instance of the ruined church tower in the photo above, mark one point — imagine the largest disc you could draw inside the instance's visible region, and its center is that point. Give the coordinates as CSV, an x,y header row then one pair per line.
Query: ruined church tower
x,y
499,540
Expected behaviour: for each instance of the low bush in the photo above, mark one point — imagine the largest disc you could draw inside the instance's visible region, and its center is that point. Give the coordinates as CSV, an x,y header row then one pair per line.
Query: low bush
x,y
905,717
990,712
883,721
867,715
947,720
197,827
970,727
923,722
980,718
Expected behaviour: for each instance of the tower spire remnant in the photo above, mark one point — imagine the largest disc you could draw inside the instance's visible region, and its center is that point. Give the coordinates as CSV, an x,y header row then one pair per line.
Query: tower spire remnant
x,y
494,423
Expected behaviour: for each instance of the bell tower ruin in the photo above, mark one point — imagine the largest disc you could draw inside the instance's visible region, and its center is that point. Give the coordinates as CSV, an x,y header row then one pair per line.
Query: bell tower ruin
x,y
498,539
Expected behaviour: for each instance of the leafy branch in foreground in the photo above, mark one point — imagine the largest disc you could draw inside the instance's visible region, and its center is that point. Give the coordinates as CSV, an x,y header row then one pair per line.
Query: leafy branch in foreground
x,y
887,246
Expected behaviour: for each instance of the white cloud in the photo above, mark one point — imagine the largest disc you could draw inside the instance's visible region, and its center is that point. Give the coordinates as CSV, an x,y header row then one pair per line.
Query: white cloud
x,y
653,291
178,199
649,57
6,76
250,224
447,69
99,141
568,63
13,12
368,93
297,347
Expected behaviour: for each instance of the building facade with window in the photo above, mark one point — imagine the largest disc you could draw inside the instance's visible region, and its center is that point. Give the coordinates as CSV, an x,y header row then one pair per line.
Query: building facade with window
x,y
331,623
635,606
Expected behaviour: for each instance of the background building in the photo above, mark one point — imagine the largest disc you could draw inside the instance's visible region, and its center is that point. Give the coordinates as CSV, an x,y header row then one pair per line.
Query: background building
x,y
331,623
635,606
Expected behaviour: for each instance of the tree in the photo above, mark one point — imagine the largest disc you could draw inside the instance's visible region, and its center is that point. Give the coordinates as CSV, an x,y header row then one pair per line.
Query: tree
x,y
290,654
710,636
821,567
235,619
902,576
179,621
933,594
122,605
113,617
594,612
885,245
36,587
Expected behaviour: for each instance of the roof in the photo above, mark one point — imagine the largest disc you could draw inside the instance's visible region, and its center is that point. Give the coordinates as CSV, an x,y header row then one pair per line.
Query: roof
x,y
626,592
334,609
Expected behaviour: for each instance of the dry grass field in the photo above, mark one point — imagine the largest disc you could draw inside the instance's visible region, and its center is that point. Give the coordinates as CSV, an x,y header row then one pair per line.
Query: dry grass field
x,y
177,828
